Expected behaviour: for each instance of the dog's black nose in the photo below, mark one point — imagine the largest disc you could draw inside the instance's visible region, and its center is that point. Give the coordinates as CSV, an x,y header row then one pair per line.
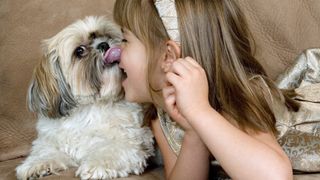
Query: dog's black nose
x,y
103,46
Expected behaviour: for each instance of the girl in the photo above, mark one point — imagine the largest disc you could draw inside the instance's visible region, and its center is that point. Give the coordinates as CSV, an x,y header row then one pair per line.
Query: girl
x,y
193,59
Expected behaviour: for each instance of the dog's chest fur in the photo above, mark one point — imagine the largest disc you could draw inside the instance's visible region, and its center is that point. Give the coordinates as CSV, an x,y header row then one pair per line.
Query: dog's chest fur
x,y
91,127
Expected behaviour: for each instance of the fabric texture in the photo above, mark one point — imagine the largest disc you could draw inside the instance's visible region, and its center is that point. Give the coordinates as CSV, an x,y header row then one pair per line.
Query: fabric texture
x,y
171,130
282,30
300,131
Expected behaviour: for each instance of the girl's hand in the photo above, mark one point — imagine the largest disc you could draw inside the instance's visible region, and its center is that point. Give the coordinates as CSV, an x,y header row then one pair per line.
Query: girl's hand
x,y
188,93
171,108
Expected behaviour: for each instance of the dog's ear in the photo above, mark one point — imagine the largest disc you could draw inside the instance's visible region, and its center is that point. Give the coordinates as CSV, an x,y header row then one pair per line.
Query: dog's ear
x,y
49,94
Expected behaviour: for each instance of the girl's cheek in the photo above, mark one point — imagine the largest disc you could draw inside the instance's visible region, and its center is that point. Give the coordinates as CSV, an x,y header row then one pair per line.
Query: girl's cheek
x,y
123,55
122,59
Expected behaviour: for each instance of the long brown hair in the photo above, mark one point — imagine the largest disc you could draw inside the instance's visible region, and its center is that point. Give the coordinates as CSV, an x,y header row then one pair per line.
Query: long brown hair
x,y
216,34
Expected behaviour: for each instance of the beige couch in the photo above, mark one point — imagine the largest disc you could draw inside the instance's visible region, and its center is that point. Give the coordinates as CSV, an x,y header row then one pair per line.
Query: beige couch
x,y
282,29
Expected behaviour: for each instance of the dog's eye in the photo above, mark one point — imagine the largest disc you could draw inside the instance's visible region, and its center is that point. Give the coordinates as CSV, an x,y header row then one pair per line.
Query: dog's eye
x,y
81,51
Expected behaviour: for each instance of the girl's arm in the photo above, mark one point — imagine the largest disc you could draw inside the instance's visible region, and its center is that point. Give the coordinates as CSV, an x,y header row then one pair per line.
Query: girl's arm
x,y
243,156
192,162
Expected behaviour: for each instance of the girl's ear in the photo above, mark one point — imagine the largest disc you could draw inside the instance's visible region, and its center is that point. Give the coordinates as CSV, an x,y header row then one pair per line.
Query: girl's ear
x,y
173,52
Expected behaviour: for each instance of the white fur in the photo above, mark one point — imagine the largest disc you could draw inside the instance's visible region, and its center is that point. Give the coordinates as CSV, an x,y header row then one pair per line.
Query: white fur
x,y
103,140
102,136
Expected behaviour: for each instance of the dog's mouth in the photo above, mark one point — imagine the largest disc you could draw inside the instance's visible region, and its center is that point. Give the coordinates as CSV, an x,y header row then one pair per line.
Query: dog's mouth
x,y
112,56
123,74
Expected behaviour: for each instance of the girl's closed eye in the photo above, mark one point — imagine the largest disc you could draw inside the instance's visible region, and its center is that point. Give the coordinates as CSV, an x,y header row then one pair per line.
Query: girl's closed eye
x,y
124,41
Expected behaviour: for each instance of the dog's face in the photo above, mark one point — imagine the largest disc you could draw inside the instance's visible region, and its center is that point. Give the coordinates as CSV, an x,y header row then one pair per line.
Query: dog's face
x,y
79,66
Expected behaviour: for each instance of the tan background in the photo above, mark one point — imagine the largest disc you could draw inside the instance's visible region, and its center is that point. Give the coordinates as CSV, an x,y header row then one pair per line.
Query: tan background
x,y
282,29
23,24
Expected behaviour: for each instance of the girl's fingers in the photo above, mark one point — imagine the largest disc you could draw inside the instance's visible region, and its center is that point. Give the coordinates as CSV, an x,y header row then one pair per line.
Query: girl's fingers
x,y
185,64
180,68
192,62
168,90
170,103
183,67
172,110
173,78
170,100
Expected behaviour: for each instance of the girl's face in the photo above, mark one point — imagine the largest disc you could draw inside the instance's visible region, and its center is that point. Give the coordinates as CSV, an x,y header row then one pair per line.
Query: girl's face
x,y
134,63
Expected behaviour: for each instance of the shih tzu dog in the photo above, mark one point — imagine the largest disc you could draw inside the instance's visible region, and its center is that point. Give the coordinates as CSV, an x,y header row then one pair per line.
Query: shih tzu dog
x,y
83,121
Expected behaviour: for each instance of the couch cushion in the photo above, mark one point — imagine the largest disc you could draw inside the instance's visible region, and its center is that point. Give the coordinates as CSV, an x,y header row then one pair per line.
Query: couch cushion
x,y
282,30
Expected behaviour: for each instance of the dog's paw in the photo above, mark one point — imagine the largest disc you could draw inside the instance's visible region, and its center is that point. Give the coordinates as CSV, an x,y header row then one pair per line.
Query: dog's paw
x,y
91,171
34,170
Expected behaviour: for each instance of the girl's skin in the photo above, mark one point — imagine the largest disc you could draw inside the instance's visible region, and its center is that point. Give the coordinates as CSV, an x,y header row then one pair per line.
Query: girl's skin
x,y
185,98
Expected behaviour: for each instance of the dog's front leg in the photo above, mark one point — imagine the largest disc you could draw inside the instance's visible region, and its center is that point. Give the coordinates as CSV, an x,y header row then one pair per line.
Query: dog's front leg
x,y
42,161
114,161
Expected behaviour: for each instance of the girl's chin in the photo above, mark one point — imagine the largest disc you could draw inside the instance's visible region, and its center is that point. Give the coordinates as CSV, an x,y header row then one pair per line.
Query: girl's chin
x,y
126,98
128,95
129,98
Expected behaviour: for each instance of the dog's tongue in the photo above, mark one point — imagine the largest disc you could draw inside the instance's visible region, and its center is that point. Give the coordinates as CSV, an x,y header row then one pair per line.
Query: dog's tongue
x,y
112,55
